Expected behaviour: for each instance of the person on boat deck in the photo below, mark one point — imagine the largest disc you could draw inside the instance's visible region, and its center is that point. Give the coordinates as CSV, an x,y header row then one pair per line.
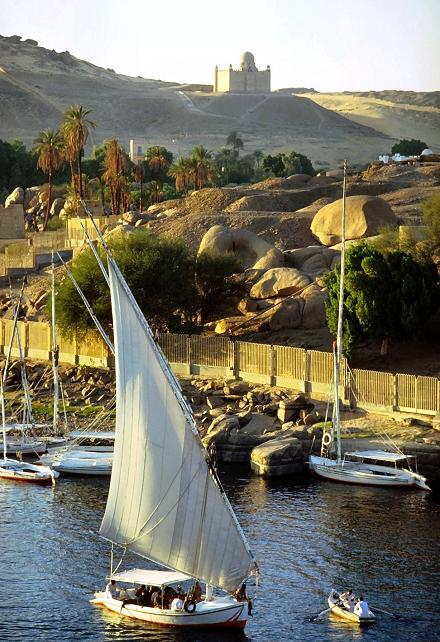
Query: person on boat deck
x,y
361,608
196,592
156,599
143,596
348,599
240,594
111,590
177,603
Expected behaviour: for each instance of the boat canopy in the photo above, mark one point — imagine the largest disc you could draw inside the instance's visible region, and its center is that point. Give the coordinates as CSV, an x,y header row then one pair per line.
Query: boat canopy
x,y
88,434
378,454
165,502
150,577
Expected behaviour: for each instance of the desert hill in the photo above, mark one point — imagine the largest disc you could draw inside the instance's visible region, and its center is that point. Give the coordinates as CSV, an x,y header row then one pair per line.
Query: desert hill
x,y
398,114
37,85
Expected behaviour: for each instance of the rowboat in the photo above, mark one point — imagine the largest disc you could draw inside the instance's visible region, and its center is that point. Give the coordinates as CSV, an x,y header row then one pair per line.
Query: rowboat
x,y
338,608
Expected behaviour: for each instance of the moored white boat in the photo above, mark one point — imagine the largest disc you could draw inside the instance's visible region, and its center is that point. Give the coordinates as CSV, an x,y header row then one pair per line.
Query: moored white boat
x,y
338,608
165,501
86,453
81,462
368,468
22,471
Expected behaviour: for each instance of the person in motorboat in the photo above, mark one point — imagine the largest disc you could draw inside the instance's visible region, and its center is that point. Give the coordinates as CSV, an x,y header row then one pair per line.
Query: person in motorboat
x,y
111,590
156,599
361,608
143,596
177,603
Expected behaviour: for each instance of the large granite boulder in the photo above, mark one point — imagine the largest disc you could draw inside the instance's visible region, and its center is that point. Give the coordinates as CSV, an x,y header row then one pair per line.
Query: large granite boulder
x,y
57,206
286,315
29,194
313,313
279,282
15,198
233,442
247,246
281,456
365,216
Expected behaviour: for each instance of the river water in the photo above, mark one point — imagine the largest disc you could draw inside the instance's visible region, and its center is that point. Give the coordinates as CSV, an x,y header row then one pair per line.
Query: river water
x,y
308,536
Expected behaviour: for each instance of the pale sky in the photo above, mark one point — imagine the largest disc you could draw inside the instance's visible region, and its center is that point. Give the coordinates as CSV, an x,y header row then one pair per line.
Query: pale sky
x,y
331,45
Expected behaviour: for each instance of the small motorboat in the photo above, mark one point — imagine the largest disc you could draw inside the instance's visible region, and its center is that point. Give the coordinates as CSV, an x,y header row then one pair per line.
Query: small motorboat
x,y
341,609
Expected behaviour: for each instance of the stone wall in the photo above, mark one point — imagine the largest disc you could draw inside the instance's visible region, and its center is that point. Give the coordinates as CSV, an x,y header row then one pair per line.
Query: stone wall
x,y
12,222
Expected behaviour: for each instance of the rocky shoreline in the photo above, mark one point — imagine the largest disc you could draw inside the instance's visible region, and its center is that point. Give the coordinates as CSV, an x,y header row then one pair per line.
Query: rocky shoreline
x,y
271,429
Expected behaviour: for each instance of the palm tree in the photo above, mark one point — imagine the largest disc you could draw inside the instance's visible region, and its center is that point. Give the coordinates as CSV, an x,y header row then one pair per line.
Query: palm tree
x,y
75,129
50,149
203,166
116,164
233,140
182,171
138,174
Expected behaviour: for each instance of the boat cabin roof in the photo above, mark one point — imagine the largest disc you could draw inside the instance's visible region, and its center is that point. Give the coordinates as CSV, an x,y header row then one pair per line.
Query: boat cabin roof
x,y
88,434
150,577
378,454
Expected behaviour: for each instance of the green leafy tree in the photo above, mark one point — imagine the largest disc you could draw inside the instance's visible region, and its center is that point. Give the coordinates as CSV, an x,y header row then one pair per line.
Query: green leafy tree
x,y
295,163
18,167
218,283
431,217
274,164
411,147
159,271
387,297
49,147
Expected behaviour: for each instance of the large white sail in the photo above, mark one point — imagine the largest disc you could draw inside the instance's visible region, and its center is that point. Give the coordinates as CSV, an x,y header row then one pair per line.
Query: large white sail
x,y
164,502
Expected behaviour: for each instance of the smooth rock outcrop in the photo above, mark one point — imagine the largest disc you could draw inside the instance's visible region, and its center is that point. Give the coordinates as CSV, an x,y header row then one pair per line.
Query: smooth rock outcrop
x,y
15,198
282,456
57,206
279,282
365,216
233,443
249,248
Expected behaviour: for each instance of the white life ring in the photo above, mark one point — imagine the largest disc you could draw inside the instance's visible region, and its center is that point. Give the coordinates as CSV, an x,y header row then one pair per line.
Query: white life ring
x,y
327,439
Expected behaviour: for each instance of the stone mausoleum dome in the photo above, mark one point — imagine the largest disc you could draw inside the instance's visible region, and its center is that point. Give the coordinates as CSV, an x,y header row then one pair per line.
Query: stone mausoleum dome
x,y
247,62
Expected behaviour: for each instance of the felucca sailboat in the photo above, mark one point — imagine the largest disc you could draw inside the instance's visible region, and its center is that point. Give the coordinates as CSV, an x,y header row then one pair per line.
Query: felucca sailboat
x,y
165,501
369,467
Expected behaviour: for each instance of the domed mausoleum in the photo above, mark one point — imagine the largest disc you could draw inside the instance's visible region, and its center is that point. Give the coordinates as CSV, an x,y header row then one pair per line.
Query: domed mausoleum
x,y
246,79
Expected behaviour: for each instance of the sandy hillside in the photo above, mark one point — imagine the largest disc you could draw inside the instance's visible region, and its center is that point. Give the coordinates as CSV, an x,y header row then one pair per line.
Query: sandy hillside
x,y
37,85
392,117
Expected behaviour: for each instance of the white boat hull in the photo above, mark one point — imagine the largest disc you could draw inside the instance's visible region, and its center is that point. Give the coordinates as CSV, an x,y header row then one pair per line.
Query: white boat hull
x,y
82,463
365,474
220,612
26,448
20,471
